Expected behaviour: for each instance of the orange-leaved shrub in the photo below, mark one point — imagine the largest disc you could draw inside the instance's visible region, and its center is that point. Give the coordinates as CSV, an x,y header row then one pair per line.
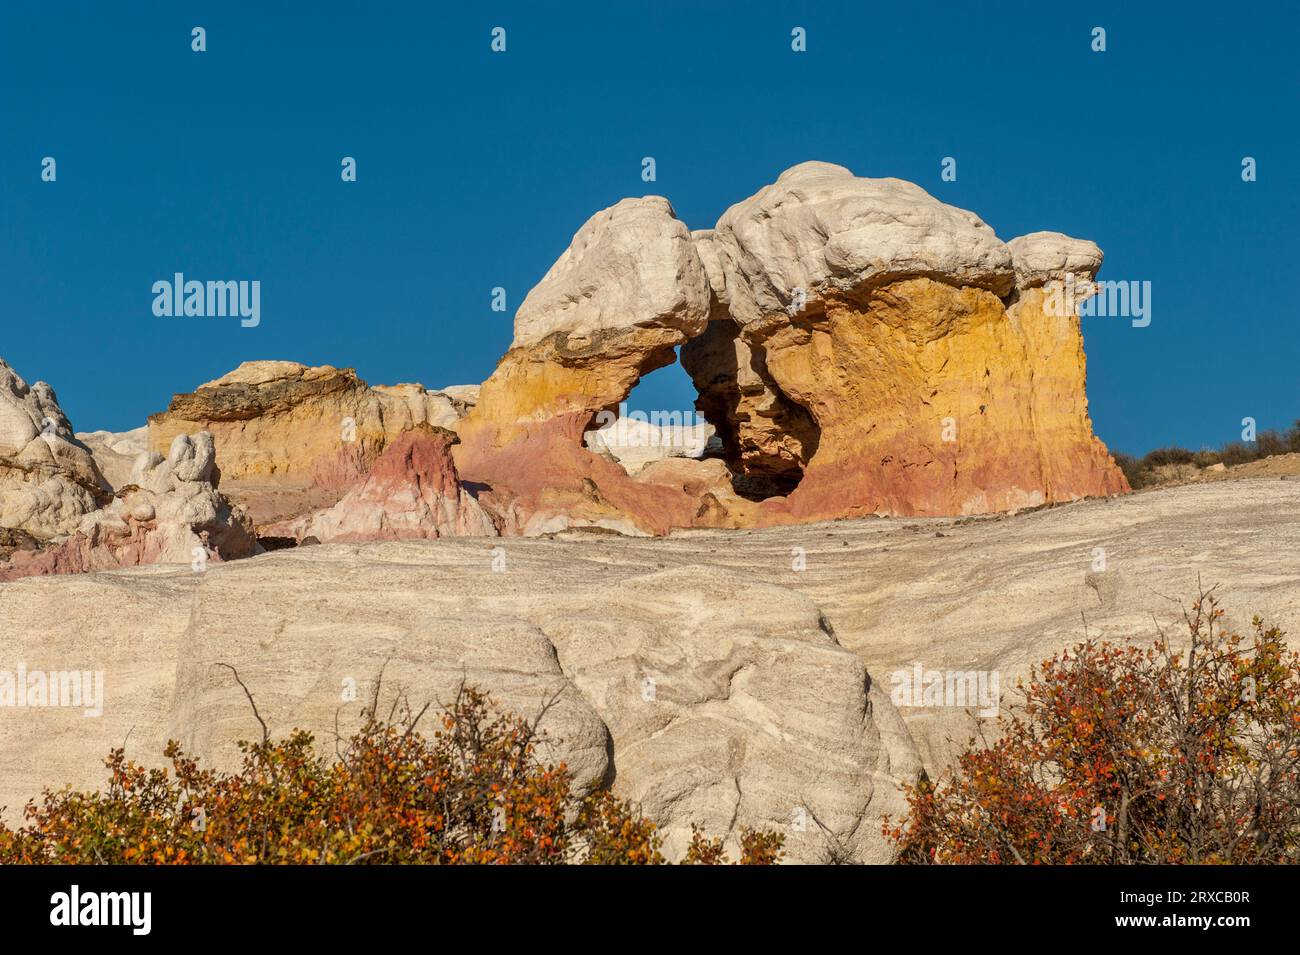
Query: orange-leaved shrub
x,y
1130,755
475,792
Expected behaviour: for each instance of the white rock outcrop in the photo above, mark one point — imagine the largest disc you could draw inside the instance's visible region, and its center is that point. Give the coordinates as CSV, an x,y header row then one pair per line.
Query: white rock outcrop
x,y
634,443
168,512
632,264
820,229
1041,257
115,452
698,693
48,479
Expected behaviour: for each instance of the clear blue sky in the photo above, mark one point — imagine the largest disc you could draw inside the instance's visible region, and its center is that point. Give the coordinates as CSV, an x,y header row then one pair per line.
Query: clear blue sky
x,y
476,168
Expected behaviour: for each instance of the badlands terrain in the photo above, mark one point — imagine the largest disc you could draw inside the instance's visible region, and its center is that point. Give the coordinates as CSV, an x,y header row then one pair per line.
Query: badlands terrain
x,y
898,472
698,672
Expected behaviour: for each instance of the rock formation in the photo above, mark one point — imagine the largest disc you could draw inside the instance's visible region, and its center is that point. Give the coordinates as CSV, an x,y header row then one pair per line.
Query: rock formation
x,y
282,422
861,348
115,453
891,355
702,695
629,289
169,511
711,676
411,492
634,442
48,479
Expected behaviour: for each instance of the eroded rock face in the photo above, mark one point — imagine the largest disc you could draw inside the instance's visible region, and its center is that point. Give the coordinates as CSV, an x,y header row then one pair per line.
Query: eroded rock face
x,y
169,511
48,478
411,492
831,234
860,347
629,289
115,453
767,438
729,700
701,694
280,421
880,313
1043,257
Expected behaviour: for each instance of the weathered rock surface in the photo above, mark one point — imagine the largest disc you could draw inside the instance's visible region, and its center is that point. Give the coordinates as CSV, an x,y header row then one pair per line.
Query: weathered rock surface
x,y
411,492
629,289
833,235
169,511
286,423
702,695
860,347
767,438
728,702
748,686
48,479
634,442
1042,257
115,453
879,313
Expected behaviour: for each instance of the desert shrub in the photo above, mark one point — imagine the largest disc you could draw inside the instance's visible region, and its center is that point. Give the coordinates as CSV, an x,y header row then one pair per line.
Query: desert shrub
x,y
1132,468
475,792
1140,472
1126,755
1238,452
1270,443
1170,455
756,848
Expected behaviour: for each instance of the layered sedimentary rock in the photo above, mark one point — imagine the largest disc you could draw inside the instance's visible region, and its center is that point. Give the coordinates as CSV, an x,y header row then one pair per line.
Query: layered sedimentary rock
x,y
283,422
411,492
883,314
629,289
702,695
169,511
48,479
860,347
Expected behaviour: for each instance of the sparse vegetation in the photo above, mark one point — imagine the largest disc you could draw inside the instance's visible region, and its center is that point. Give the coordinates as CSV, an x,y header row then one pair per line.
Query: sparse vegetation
x,y
1128,755
473,793
1145,471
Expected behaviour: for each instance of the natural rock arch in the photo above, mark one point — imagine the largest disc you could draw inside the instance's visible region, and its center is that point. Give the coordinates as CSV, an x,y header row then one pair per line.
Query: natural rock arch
x,y
861,347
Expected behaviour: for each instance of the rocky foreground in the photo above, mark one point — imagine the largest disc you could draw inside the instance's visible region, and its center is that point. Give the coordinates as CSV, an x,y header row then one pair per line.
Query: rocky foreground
x,y
699,673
